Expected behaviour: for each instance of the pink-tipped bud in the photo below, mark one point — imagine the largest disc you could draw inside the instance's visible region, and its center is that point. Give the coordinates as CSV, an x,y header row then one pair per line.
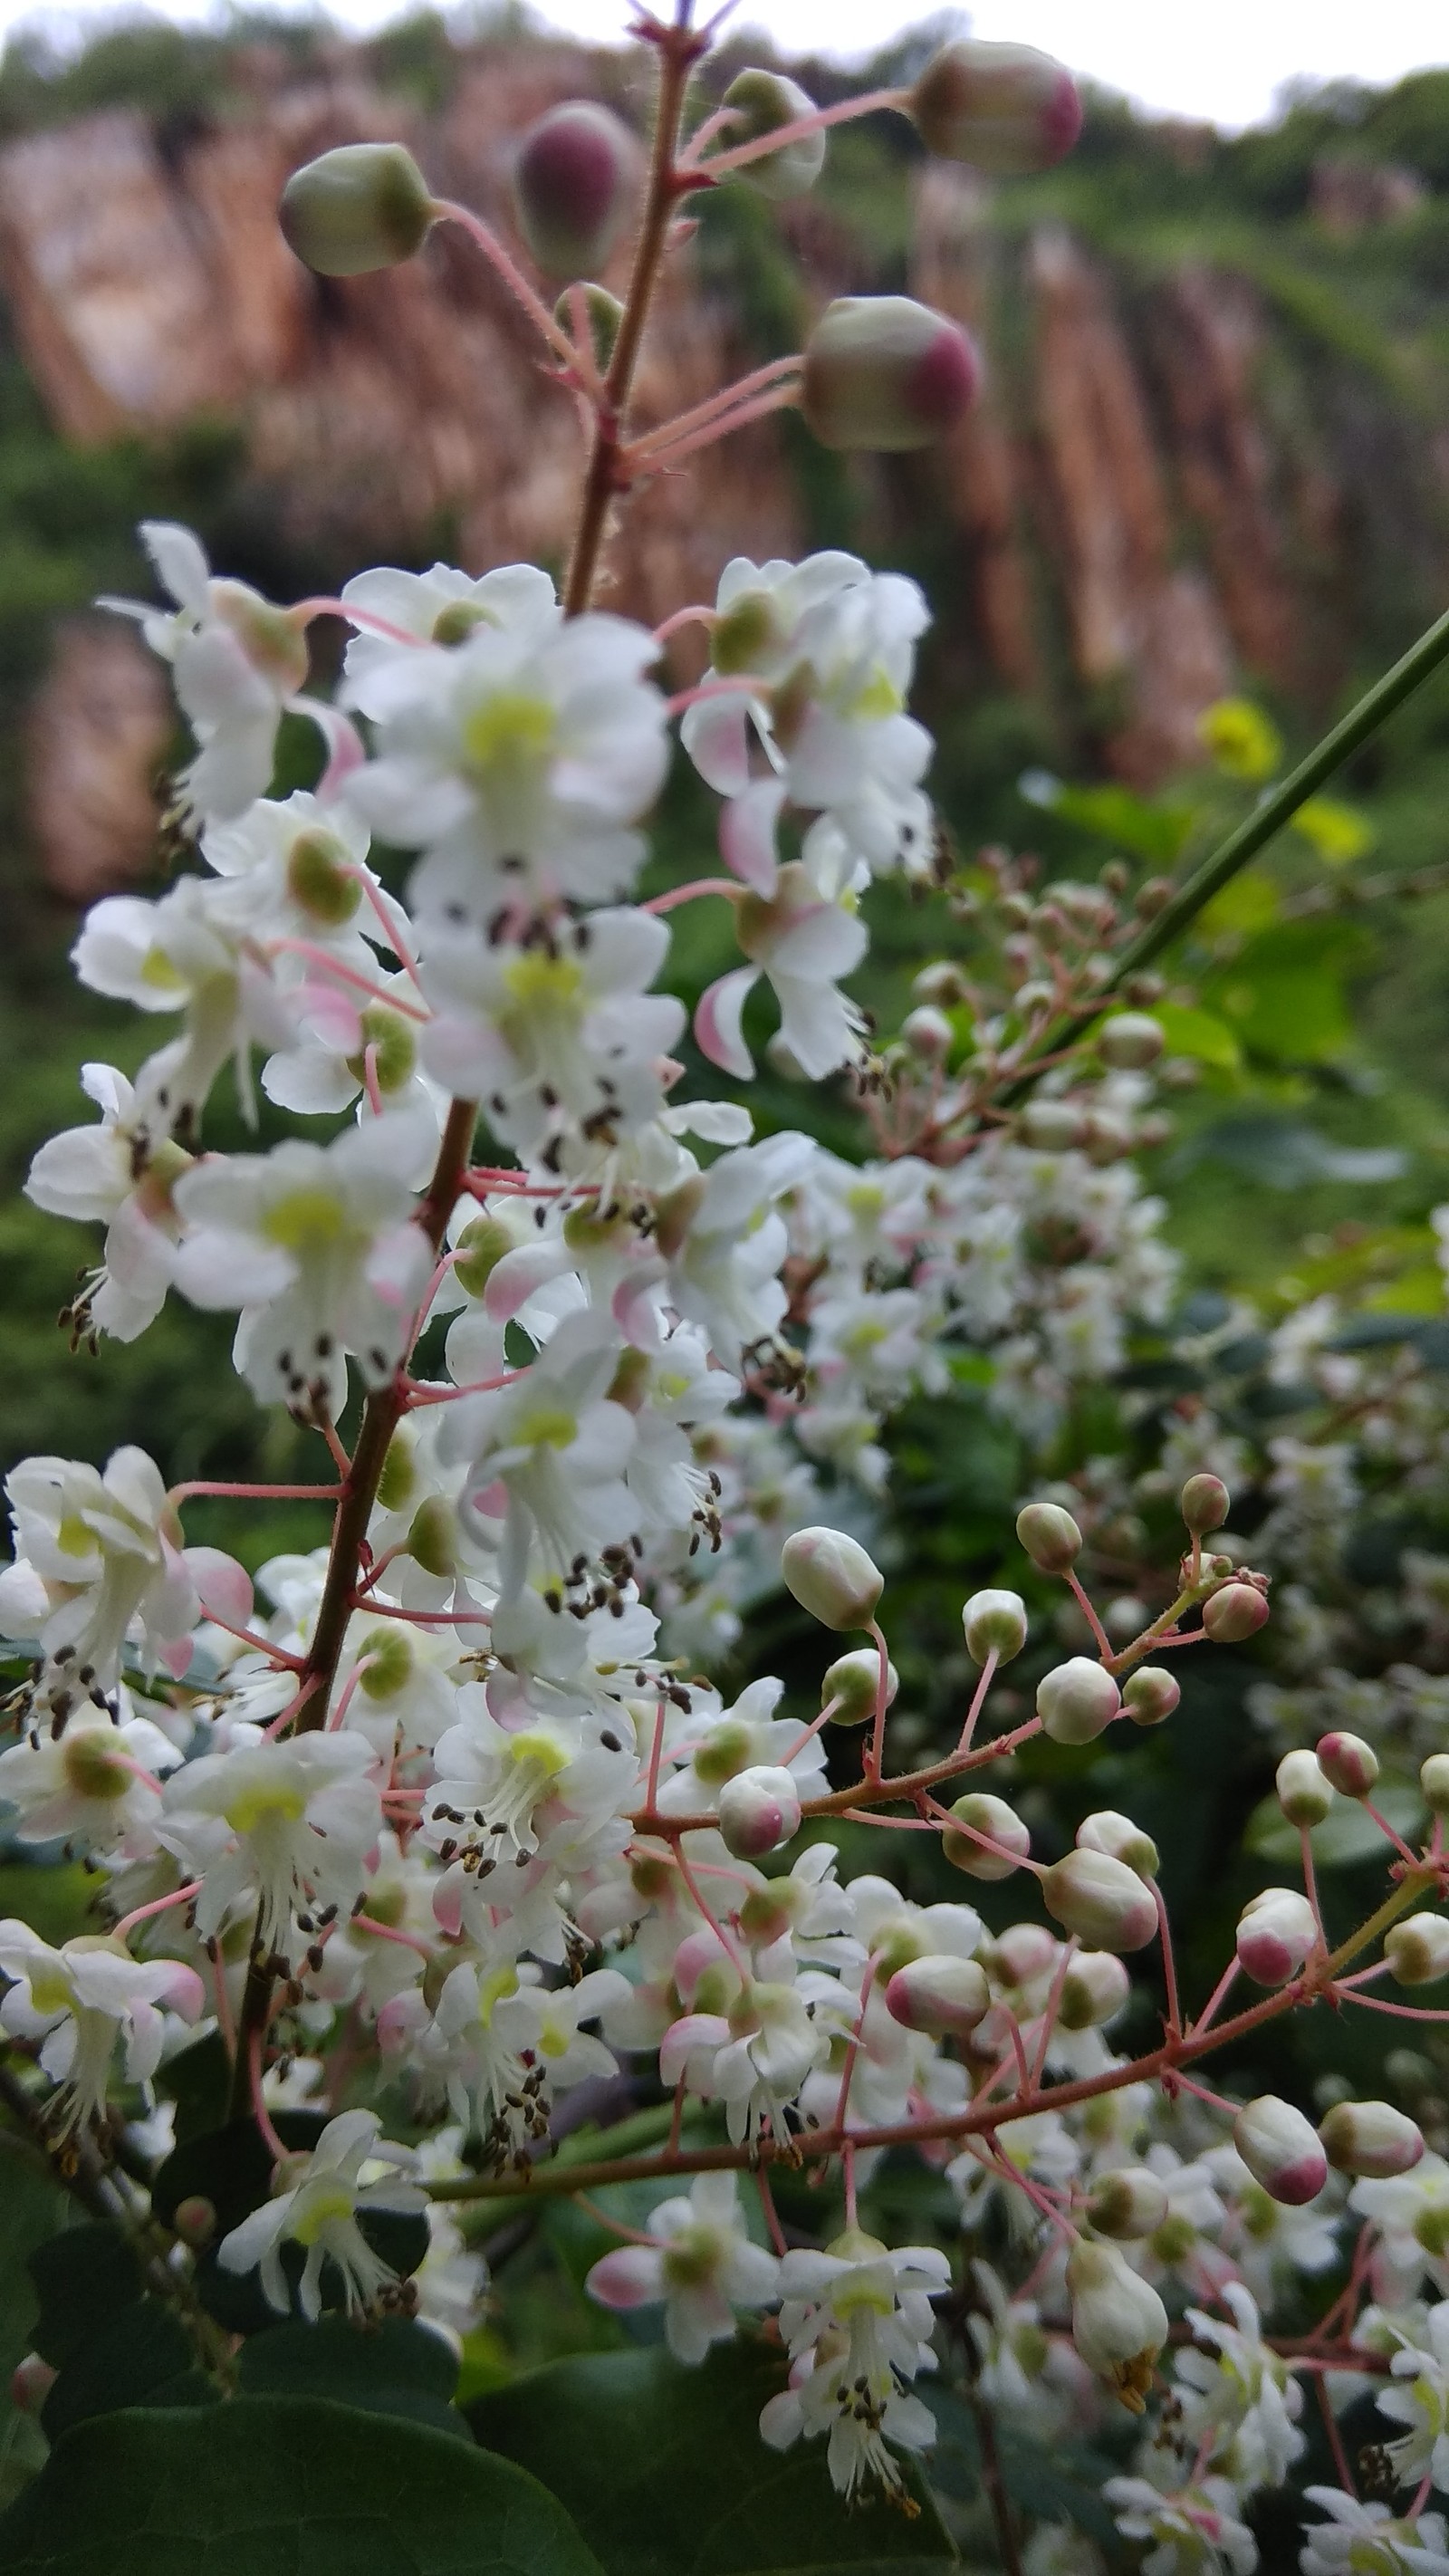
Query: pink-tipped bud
x,y
1022,1953
1238,1611
995,1624
1094,1990
928,1033
759,1809
1129,1042
1351,1765
1276,1931
1076,1701
831,1576
1005,108
1050,1537
1418,1951
1051,1127
1110,1832
573,186
1205,1504
1281,2150
363,206
1304,1794
883,373
1434,1782
31,2382
943,1997
853,1680
1128,2203
1101,1900
194,2220
1370,2138
1150,1694
992,1817
761,102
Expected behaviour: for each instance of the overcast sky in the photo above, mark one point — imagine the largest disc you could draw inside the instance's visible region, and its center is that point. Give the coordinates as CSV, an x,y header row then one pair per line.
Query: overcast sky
x,y
1227,59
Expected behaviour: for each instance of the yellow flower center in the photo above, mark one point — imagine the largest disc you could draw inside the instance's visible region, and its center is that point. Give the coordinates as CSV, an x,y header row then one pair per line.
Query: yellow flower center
x,y
509,731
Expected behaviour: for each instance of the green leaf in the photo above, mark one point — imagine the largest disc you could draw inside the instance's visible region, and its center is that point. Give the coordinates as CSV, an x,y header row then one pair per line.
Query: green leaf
x,y
32,2206
1155,832
395,2368
1199,1035
664,2471
293,2486
137,2357
1060,2484
1346,1835
83,2279
198,2081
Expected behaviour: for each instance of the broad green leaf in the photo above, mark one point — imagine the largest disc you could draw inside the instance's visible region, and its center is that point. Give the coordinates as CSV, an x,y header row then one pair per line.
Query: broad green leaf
x,y
1151,831
394,2368
1200,1035
32,2207
1346,1835
270,2486
664,2471
138,2356
83,2279
1060,2484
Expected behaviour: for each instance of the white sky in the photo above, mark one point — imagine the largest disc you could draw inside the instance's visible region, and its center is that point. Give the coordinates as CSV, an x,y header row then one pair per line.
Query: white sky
x,y
1224,59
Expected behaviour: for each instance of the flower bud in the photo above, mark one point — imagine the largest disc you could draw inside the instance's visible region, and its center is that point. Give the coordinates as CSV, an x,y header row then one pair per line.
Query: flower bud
x,y
1077,1700
1128,2203
758,1810
831,1576
991,1816
432,1540
1236,1612
1109,1832
1276,1931
1005,108
1205,1504
881,372
1051,1127
363,206
194,2220
1434,1782
854,1680
1119,2324
1101,1900
1370,2138
1349,1763
31,2382
1129,1042
1280,2149
1418,1951
1304,1795
762,102
928,1033
1050,1537
573,184
602,315
944,1997
483,1243
995,1624
1150,1694
1022,1954
1094,1990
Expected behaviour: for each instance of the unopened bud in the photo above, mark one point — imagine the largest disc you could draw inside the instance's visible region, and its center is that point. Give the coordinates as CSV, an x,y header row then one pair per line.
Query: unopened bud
x,y
1101,1900
432,1540
831,1576
1370,2138
1051,1127
1276,1931
1076,1701
762,102
944,1997
1050,1537
1128,2203
363,206
1129,1041
1434,1782
1281,2150
1304,1795
573,184
943,985
1005,108
601,316
928,1033
1022,1954
883,373
992,1817
483,1243
1119,2324
1109,1832
995,1624
854,1680
194,2220
758,1810
31,2382
1205,1504
1351,1765
1150,1694
1238,1611
1418,1951
1094,1990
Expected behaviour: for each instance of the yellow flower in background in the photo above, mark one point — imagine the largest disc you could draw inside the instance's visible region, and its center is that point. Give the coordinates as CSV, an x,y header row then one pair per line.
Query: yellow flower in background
x,y
1337,833
1240,738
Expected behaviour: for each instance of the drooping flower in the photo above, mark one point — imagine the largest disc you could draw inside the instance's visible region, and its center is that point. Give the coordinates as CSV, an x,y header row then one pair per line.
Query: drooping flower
x,y
856,2319
702,2266
318,2208
1371,2539
79,2000
92,1562
119,1174
287,1825
803,944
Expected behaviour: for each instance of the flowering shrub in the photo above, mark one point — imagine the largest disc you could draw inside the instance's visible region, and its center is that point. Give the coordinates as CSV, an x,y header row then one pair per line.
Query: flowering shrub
x,y
449,1833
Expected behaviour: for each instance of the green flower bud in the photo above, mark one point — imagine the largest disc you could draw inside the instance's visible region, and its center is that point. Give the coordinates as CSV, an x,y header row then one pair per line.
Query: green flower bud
x,y
883,373
432,1540
762,102
854,1680
1204,1504
1418,1951
995,1624
1434,1782
1351,1765
1238,1611
1150,1694
1304,1795
943,1996
1280,2150
363,206
1110,1832
1005,108
991,1816
603,314
1129,1042
1370,2138
831,1576
1077,1700
1101,1900
1050,1537
1128,2203
1094,1990
1052,1127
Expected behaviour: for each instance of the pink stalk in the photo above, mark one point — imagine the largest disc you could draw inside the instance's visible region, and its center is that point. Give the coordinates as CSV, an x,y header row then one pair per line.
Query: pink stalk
x,y
1018,1860
373,893
330,965
662,459
304,610
852,2048
1216,2101
677,895
683,617
771,2214
424,1618
369,1078
1169,1963
273,1729
513,277
1401,2012
158,1905
695,418
1386,1829
1310,1880
632,2235
978,1702
422,1394
329,1434
263,1645
390,1932
814,1727
1218,1996
346,1694
882,1692
715,164
656,1750
745,686
1335,2440
223,1999
1104,1642
1049,2015
270,2139
1040,2200
729,1947
252,1493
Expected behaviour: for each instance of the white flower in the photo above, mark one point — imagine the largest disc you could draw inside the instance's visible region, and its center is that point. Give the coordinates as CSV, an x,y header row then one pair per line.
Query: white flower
x,y
442,606
289,1823
1243,2405
722,1742
238,663
120,1175
1411,2212
1196,2531
702,2266
856,2319
804,945
315,1244
97,1784
183,953
92,1563
317,2208
554,1445
756,2059
1370,2540
519,761
492,1781
79,2000
504,2044
1422,2404
1119,2324
726,1244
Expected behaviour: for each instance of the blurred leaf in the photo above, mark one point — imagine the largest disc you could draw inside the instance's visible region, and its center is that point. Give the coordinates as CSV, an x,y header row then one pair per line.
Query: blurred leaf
x,y
1286,1154
32,2207
1156,832
1347,1834
1336,832
198,2080
396,2367
139,2356
1246,904
83,2278
1200,1035
1243,742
